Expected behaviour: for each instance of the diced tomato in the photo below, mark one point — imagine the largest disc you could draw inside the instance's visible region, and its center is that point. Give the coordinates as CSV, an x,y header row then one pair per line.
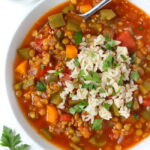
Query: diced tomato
x,y
67,70
85,132
44,71
38,44
126,39
66,77
146,102
65,117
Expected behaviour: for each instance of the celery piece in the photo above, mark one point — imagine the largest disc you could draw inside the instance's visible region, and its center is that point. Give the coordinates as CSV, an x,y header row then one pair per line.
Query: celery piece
x,y
107,14
56,20
24,53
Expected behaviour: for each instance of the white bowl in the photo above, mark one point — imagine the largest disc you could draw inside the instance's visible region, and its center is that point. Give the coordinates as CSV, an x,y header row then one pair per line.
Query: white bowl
x,y
19,36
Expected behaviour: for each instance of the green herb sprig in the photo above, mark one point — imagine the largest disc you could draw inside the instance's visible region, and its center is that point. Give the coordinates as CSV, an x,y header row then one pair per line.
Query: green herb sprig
x,y
12,140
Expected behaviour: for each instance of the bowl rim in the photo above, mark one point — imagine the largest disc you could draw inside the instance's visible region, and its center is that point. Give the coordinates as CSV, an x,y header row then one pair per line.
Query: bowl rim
x,y
17,112
26,126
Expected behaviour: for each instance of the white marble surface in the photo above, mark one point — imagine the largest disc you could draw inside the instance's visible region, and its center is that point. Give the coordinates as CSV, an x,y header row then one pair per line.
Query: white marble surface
x,y
12,13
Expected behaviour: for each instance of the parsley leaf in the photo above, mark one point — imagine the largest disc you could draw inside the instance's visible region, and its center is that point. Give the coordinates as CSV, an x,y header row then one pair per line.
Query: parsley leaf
x,y
76,62
78,108
129,104
141,28
81,73
133,58
135,76
12,140
101,90
40,86
109,42
97,125
120,82
91,54
90,86
107,37
106,105
123,57
88,77
22,147
108,63
78,37
56,73
136,116
95,77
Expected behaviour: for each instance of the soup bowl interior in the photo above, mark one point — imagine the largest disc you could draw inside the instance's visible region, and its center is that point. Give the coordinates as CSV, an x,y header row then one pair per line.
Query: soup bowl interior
x,y
18,38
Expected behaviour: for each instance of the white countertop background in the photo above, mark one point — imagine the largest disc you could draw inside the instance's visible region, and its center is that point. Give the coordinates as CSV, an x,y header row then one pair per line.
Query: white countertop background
x,y
12,12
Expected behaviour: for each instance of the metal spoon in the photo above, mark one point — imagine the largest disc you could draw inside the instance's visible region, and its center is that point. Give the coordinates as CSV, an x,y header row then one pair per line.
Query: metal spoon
x,y
95,9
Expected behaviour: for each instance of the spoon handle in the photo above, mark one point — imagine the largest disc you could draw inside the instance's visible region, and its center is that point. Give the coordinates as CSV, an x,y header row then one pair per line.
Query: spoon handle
x,y
95,9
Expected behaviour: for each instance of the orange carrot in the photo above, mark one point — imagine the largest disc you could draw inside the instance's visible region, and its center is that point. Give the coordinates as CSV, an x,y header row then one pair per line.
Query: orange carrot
x,y
22,67
85,8
84,131
71,51
52,114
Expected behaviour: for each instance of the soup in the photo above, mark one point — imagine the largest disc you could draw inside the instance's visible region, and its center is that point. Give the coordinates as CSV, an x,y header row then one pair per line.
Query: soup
x,y
84,84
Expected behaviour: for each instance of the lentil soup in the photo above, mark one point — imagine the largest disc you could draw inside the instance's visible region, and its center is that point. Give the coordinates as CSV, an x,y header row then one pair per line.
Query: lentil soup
x,y
86,82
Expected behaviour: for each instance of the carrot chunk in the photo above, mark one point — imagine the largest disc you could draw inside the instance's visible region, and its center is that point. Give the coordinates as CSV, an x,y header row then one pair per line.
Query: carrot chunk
x,y
85,8
71,51
85,132
52,114
126,39
22,67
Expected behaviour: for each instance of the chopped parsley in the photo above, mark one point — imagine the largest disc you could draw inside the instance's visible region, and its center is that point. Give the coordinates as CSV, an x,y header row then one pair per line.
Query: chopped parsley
x,y
110,44
129,104
101,90
97,125
91,54
78,37
76,62
108,63
133,58
78,108
95,77
141,28
56,73
12,140
81,73
136,116
90,86
120,82
40,86
88,78
106,105
135,76
123,57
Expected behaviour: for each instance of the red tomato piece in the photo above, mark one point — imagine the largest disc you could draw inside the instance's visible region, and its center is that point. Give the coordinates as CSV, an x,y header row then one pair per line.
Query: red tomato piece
x,y
67,70
126,39
146,102
38,44
44,71
65,117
